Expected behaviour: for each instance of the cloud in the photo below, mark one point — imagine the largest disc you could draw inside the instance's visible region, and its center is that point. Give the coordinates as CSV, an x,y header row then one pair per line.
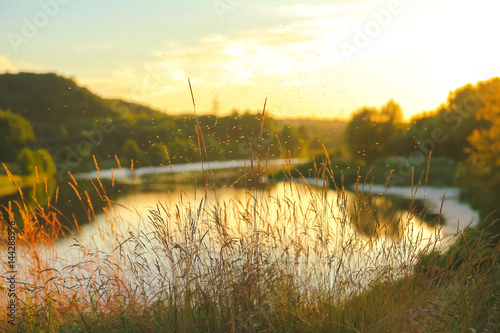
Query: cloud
x,y
271,61
258,62
248,57
123,82
6,65
307,45
298,63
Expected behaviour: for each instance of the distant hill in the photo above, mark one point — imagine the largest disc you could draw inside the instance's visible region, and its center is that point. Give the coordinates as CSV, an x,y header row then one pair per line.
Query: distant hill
x,y
49,98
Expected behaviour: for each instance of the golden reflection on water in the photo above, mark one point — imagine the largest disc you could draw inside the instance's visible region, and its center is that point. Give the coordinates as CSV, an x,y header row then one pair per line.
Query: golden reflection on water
x,y
316,234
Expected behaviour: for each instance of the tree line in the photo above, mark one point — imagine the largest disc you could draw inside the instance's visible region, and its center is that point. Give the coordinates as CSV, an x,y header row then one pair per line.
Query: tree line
x,y
465,130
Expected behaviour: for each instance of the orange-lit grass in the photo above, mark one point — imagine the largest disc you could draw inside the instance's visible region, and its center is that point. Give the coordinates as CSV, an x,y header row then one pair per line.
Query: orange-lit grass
x,y
212,267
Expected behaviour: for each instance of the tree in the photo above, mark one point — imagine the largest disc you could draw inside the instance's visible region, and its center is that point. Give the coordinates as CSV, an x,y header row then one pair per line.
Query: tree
x,y
15,132
480,172
26,161
157,155
131,150
391,112
359,134
303,137
369,131
44,162
289,142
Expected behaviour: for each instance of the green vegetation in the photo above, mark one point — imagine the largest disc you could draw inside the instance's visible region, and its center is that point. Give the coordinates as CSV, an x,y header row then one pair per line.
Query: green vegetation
x,y
16,141
369,132
395,171
480,171
15,133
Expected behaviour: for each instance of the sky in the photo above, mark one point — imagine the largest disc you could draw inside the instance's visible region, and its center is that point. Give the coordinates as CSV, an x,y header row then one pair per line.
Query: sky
x,y
308,58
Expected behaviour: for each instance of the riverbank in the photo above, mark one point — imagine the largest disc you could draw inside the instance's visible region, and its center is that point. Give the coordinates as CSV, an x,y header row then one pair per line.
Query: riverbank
x,y
128,174
442,202
12,185
394,171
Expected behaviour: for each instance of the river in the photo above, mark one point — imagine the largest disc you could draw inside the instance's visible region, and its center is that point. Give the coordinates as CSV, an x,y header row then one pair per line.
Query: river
x,y
330,236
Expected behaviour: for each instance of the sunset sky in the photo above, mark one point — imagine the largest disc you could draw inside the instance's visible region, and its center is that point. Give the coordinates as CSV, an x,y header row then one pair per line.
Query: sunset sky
x,y
309,58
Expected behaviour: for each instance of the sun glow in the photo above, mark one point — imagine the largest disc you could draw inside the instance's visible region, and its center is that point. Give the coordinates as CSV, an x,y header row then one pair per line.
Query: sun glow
x,y
322,59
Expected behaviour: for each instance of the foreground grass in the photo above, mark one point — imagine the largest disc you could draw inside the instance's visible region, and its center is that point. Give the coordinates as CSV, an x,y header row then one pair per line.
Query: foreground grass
x,y
290,262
